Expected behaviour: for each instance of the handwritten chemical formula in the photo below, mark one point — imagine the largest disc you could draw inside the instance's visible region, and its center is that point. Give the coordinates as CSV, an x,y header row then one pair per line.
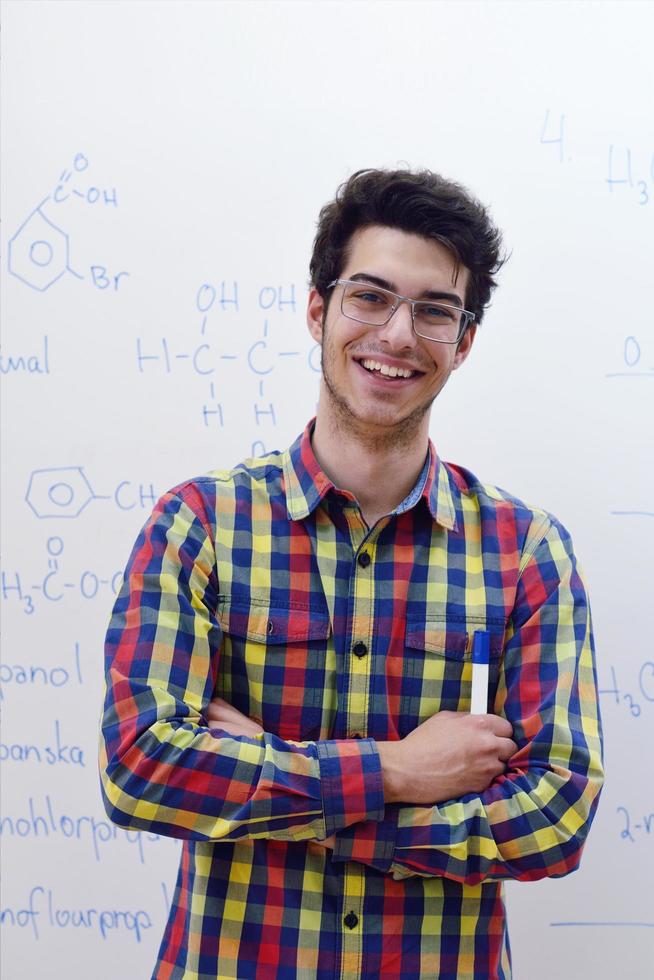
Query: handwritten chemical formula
x,y
66,491
57,586
39,252
637,697
218,358
627,172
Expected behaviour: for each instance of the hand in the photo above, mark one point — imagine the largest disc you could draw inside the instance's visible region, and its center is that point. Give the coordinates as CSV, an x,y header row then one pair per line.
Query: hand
x,y
221,714
449,755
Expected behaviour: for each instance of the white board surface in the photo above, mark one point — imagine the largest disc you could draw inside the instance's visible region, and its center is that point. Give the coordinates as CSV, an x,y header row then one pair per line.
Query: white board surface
x,y
164,164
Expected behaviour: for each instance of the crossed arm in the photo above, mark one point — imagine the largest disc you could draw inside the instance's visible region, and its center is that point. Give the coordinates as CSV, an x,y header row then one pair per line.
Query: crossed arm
x,y
440,802
449,755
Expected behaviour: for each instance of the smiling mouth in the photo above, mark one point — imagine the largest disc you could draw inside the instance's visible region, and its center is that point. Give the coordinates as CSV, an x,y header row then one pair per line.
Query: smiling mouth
x,y
387,370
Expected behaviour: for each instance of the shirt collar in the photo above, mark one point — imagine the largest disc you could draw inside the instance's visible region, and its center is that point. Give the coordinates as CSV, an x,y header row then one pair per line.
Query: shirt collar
x,y
306,484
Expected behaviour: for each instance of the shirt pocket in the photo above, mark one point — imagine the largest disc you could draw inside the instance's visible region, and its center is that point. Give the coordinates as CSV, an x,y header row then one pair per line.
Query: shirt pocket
x,y
437,667
273,665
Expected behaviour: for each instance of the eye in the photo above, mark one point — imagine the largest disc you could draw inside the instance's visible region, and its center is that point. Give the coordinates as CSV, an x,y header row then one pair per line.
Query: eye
x,y
369,296
441,313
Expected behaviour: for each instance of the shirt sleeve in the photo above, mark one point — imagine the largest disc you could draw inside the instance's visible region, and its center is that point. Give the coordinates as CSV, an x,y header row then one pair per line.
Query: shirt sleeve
x,y
533,820
162,769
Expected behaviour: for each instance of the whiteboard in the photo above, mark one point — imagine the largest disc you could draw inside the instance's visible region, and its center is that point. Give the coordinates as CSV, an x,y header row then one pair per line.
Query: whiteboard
x,y
164,164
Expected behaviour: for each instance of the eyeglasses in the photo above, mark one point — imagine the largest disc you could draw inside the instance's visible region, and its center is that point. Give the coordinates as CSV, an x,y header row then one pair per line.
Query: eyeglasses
x,y
366,303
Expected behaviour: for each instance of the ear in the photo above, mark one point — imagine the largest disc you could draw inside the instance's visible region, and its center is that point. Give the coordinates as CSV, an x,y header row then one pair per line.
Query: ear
x,y
465,346
315,311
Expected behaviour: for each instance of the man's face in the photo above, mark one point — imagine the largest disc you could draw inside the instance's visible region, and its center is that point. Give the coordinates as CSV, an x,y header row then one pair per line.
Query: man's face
x,y
359,396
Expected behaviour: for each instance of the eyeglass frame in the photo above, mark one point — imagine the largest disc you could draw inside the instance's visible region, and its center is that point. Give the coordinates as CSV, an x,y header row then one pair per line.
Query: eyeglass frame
x,y
466,315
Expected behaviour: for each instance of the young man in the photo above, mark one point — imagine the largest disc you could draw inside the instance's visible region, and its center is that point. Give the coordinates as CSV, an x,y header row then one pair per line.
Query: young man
x,y
289,663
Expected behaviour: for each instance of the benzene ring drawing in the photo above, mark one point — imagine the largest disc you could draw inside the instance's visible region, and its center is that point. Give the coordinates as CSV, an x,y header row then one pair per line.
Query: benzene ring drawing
x,y
38,252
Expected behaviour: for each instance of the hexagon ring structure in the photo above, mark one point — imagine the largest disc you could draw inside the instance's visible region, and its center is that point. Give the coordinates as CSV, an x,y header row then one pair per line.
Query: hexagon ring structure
x,y
59,492
38,252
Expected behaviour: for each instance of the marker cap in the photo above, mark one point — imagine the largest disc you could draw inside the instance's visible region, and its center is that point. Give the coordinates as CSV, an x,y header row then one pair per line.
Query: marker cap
x,y
481,647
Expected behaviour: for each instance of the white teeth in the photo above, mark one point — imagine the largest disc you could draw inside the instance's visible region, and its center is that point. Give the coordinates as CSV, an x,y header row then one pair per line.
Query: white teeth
x,y
389,371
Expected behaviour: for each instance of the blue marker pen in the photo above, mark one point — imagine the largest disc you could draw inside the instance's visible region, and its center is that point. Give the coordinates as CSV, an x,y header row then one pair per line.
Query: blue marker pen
x,y
480,659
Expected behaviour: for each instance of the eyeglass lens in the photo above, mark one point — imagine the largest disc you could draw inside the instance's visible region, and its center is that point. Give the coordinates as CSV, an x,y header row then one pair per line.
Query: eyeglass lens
x,y
370,304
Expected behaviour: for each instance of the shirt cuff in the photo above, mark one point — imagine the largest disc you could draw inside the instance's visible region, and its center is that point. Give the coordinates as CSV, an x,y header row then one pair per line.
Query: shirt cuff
x,y
369,843
351,782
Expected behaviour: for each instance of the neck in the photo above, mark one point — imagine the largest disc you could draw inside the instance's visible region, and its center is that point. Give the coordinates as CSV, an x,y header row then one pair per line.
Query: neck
x,y
379,471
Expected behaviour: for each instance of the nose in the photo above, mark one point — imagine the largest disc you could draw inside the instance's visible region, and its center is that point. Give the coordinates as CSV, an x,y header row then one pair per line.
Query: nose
x,y
398,332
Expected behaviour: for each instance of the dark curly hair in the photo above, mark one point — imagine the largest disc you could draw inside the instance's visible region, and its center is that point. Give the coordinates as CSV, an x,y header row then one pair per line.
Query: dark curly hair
x,y
419,202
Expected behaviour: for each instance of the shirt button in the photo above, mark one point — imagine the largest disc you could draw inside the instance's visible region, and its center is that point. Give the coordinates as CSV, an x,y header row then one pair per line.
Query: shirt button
x,y
351,920
359,649
364,559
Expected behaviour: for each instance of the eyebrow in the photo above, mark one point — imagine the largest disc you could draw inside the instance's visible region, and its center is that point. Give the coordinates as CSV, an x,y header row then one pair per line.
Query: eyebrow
x,y
453,298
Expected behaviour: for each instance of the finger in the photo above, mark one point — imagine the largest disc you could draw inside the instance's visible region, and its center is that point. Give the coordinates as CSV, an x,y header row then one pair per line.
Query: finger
x,y
500,726
220,702
232,728
217,715
225,709
220,710
241,726
225,726
507,748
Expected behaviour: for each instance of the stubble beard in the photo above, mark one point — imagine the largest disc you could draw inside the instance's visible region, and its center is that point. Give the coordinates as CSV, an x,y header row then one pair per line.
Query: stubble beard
x,y
373,438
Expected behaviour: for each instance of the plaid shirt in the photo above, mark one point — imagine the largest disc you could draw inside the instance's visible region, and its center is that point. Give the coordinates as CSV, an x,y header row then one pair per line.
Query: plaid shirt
x,y
265,586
